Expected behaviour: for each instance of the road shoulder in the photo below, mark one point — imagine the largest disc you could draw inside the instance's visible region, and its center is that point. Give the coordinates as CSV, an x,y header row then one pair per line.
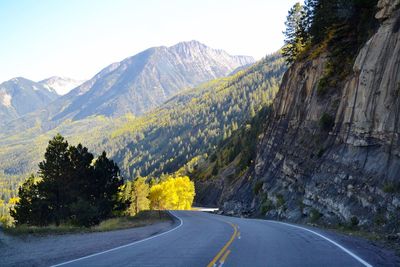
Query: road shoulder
x,y
47,250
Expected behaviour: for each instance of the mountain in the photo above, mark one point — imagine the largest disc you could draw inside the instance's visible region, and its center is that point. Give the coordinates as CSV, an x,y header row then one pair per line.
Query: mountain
x,y
62,85
20,96
146,80
186,126
134,85
329,150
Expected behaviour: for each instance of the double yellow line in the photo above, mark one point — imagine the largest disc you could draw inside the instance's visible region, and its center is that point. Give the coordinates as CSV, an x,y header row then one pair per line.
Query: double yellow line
x,y
224,252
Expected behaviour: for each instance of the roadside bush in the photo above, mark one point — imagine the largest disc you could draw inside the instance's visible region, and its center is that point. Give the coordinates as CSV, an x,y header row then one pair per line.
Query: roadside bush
x,y
84,214
315,215
354,221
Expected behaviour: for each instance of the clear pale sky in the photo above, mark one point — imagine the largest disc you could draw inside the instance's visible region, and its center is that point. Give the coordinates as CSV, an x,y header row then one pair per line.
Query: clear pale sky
x,y
77,38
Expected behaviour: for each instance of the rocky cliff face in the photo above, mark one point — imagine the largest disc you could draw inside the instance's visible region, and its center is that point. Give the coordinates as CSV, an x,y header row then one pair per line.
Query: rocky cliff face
x,y
347,173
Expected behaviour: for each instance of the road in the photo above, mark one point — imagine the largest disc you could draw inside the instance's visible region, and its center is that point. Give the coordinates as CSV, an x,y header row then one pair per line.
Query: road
x,y
204,239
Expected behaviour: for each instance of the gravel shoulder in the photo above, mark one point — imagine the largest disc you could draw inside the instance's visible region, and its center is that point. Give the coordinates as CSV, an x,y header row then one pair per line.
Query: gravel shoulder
x,y
48,250
374,252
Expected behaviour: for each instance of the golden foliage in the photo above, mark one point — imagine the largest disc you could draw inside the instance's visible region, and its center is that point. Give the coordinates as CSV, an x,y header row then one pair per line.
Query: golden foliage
x,y
172,194
13,201
140,192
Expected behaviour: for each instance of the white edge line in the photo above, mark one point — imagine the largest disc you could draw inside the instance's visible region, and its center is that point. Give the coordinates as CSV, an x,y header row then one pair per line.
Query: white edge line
x,y
327,239
127,245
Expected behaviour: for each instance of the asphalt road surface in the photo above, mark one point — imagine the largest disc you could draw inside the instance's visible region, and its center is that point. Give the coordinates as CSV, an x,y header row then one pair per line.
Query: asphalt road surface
x,y
204,239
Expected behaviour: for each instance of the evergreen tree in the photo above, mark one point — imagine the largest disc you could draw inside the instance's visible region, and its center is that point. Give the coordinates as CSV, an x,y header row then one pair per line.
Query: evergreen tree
x,y
71,188
294,42
106,185
54,172
307,18
30,209
80,173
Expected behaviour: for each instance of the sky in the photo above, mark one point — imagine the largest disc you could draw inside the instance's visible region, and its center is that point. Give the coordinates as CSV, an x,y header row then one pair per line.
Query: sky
x,y
77,38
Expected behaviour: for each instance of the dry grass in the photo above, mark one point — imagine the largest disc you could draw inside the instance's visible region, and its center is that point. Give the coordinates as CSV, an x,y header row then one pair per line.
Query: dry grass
x,y
142,219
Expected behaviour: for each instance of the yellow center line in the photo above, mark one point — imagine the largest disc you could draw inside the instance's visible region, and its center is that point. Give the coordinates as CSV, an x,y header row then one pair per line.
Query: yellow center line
x,y
224,247
222,260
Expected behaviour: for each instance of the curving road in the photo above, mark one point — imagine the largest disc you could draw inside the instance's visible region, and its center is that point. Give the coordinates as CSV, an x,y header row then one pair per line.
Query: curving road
x,y
203,239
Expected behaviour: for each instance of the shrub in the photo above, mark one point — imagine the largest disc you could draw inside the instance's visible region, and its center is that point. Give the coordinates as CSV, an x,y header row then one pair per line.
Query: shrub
x,y
380,219
213,157
354,222
301,205
320,152
280,200
84,214
326,122
215,169
322,87
257,187
266,206
391,187
315,215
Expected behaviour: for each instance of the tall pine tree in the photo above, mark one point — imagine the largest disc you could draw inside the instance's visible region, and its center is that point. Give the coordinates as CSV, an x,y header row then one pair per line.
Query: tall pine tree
x,y
54,171
294,34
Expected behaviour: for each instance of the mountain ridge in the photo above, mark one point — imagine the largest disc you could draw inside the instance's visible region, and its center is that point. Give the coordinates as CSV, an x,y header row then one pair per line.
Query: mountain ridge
x,y
62,85
149,78
136,84
20,96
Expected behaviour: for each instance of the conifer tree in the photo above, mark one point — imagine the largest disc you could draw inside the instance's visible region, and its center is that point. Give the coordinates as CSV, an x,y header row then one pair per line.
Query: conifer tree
x,y
294,33
54,171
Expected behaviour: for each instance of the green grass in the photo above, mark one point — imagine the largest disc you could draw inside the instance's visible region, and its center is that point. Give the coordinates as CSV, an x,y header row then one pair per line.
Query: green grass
x,y
142,219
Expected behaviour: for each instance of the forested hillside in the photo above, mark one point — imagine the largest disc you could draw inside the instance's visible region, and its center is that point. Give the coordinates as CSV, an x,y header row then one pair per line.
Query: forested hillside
x,y
161,141
193,123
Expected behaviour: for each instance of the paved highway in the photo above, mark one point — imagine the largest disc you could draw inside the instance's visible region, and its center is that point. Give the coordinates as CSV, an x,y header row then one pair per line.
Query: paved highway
x,y
203,239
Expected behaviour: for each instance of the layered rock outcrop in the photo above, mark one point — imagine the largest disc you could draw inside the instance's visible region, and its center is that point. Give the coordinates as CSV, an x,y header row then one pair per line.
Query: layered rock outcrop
x,y
349,173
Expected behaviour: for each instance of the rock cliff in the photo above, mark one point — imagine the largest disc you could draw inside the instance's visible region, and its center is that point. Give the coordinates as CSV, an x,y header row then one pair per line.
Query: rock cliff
x,y
333,158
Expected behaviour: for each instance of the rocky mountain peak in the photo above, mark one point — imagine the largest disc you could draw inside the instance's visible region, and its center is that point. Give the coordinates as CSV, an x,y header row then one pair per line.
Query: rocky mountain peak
x,y
61,85
19,96
147,79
